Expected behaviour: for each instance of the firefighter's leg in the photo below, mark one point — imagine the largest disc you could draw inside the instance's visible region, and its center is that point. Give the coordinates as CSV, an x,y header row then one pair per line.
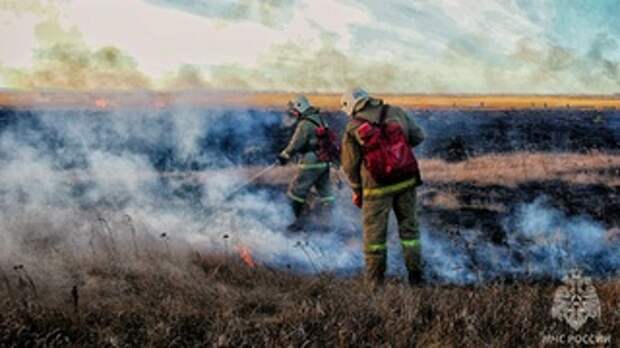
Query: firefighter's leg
x,y
408,229
326,197
297,192
375,215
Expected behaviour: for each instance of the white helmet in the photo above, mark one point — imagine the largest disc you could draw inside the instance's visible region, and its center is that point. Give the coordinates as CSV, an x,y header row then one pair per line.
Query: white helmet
x,y
353,100
299,104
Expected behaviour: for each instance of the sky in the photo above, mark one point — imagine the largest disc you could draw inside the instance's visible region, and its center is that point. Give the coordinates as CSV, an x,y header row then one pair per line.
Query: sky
x,y
395,46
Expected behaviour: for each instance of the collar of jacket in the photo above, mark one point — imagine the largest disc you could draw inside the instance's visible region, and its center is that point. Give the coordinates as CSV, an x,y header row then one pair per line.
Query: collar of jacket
x,y
371,111
311,111
312,114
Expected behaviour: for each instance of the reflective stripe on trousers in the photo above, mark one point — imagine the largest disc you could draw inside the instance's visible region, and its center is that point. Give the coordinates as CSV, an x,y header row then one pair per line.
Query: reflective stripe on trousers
x,y
385,190
406,243
296,198
329,199
376,247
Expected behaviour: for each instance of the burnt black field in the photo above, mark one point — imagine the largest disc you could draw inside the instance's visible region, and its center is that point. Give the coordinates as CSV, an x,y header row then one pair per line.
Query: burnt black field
x,y
178,141
251,136
110,236
229,138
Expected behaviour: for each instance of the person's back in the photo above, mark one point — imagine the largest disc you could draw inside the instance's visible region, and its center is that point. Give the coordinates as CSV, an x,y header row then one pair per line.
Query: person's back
x,y
312,170
371,113
376,197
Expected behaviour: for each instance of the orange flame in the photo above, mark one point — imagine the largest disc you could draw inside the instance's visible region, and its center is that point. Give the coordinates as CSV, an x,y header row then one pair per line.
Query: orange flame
x,y
101,103
246,256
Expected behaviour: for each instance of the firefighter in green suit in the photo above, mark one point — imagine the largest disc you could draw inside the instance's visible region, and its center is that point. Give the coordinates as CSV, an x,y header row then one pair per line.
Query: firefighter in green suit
x,y
311,172
375,200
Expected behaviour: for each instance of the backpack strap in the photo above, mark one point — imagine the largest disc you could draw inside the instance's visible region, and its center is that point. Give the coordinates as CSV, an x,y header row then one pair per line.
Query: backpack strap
x,y
382,115
322,124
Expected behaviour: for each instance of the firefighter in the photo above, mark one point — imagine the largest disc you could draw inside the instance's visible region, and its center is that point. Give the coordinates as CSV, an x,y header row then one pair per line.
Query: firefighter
x,y
311,171
378,200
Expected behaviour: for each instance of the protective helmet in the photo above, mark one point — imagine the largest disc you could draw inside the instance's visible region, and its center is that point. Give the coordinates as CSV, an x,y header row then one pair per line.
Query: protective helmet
x,y
299,105
353,100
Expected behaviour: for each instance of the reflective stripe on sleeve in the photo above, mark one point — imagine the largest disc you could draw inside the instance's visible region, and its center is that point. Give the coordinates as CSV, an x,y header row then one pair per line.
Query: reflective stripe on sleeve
x,y
385,190
327,199
310,166
410,243
356,186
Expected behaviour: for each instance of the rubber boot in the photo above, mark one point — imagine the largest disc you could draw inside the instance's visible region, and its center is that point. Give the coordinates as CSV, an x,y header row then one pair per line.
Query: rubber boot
x,y
416,278
413,262
296,226
375,269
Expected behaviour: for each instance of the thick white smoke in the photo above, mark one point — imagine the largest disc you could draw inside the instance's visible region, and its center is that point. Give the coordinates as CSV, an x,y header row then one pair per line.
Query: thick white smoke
x,y
72,175
71,179
541,243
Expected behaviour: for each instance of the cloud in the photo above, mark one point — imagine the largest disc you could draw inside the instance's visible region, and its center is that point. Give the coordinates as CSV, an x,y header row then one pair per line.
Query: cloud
x,y
271,13
19,7
494,46
559,69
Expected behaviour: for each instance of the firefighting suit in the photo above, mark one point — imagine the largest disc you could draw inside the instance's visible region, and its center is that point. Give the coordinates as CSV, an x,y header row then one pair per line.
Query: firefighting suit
x,y
378,200
311,172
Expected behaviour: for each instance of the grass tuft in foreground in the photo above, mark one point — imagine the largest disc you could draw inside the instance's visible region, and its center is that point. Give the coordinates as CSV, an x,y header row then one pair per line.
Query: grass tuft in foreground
x,y
188,299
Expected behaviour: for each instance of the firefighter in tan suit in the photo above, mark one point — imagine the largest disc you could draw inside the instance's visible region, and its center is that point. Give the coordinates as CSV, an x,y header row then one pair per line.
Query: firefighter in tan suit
x,y
375,200
311,172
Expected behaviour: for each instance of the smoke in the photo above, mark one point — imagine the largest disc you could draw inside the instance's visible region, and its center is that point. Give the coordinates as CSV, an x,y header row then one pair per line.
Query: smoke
x,y
63,60
71,178
63,173
76,67
541,243
549,65
295,66
188,77
421,47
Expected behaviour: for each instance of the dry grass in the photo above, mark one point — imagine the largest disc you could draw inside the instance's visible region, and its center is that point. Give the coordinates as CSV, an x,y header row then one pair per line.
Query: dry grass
x,y
279,100
148,291
502,169
430,101
514,168
187,299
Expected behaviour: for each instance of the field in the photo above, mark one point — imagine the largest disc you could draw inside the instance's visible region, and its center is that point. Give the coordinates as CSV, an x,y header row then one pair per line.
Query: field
x,y
206,98
115,231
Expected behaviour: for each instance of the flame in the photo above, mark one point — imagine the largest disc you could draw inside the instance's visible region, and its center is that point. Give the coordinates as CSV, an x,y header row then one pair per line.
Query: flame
x,y
101,103
246,256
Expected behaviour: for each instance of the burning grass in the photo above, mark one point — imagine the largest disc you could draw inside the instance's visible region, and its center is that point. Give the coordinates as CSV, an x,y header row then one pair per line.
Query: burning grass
x,y
184,298
77,269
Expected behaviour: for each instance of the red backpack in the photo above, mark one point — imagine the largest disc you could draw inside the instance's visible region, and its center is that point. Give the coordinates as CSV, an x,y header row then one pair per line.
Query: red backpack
x,y
387,154
328,146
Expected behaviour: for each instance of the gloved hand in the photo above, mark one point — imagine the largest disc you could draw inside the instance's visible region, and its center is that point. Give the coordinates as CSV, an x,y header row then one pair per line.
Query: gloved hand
x,y
283,158
356,198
